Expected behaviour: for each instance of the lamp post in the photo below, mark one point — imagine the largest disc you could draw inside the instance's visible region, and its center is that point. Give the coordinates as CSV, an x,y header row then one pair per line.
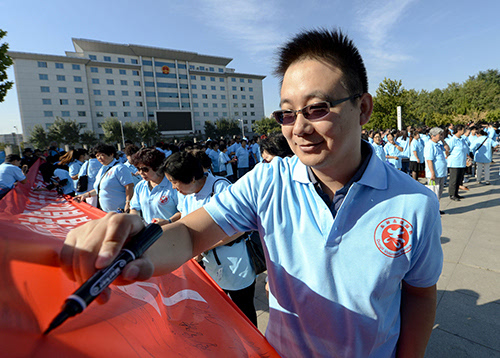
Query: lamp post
x,y
123,137
242,128
17,141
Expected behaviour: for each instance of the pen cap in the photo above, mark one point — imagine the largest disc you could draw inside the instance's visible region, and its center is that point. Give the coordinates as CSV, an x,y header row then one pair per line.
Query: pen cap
x,y
144,239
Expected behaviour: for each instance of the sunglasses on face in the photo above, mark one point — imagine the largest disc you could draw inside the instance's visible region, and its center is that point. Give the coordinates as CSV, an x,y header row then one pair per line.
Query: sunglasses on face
x,y
312,112
143,169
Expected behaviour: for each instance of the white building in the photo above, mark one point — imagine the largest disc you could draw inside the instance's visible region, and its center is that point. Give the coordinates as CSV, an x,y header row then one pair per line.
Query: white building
x,y
180,90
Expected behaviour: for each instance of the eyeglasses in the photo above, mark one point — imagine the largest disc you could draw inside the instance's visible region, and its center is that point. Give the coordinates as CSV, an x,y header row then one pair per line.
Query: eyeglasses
x,y
312,112
143,169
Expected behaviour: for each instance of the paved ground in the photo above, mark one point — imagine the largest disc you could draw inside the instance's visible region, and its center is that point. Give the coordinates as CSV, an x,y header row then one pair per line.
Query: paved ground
x,y
468,311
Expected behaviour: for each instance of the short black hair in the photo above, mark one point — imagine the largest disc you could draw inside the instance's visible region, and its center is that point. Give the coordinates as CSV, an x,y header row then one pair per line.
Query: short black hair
x,y
183,166
11,158
148,156
130,150
276,145
105,149
330,46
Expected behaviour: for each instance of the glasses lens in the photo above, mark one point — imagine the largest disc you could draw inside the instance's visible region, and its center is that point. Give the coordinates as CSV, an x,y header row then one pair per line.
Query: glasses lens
x,y
316,110
143,169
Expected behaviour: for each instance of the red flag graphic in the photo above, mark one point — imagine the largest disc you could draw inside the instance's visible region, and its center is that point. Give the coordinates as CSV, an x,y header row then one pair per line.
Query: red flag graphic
x,y
183,314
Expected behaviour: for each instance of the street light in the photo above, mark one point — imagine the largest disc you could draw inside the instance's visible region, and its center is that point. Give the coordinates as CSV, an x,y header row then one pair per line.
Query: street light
x,y
18,142
123,137
242,128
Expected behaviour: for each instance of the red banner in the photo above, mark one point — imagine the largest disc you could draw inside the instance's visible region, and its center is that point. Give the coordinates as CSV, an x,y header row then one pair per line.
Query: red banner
x,y
181,314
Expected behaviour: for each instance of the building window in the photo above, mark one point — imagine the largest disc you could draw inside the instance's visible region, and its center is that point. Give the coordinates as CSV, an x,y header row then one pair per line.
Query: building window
x,y
124,93
77,78
42,64
222,88
94,69
123,82
108,70
214,96
221,70
112,103
221,79
243,96
98,103
195,95
95,81
93,57
222,96
138,104
235,96
211,69
140,114
62,89
250,81
213,88
252,114
236,113
63,102
78,90
251,97
224,114
113,114
121,60
80,102
251,105
233,88
46,101
204,96
97,92
233,79
75,67
107,58
216,114
134,61
137,83
203,87
65,113
242,89
242,80
244,105
59,65
122,72
202,68
214,105
193,87
61,77
44,89
138,93
82,114
48,114
250,89
206,114
224,105
205,105
235,105
212,79
135,73
202,78
110,82
111,92
126,114
244,114
99,114
193,77
195,105
82,125
43,77
126,104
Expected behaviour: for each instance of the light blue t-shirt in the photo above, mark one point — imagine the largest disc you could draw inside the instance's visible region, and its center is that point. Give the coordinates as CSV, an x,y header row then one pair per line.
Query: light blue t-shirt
x,y
482,149
335,283
458,152
235,271
112,189
73,169
214,157
435,152
133,170
243,159
90,168
159,202
256,152
405,144
62,174
416,146
390,149
378,149
223,159
9,174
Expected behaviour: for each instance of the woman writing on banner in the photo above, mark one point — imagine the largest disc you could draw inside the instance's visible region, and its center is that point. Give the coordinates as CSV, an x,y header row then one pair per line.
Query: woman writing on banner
x,y
90,169
229,265
114,186
154,197
73,160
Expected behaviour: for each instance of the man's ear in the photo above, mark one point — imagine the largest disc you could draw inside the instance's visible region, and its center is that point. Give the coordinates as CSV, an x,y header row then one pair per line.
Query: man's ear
x,y
366,107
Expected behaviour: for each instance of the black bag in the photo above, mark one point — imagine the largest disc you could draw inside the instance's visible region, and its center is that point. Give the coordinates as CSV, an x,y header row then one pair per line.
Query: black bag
x,y
256,252
82,183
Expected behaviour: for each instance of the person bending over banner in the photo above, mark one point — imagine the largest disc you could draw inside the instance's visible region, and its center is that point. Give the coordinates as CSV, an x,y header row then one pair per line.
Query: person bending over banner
x,y
10,173
352,245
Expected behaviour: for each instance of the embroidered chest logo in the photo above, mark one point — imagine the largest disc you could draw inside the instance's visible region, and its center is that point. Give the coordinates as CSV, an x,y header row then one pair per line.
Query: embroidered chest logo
x,y
164,199
392,237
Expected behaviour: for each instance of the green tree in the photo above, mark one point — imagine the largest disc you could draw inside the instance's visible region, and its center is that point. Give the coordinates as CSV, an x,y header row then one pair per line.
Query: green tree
x,y
5,62
266,126
390,95
227,127
89,138
39,137
130,132
112,130
148,131
210,130
64,131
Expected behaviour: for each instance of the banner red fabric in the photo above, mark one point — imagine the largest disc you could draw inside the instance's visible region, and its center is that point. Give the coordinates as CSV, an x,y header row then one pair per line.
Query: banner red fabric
x,y
183,314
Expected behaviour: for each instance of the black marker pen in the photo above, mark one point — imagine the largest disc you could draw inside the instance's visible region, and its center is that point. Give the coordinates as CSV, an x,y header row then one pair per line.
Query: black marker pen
x,y
82,297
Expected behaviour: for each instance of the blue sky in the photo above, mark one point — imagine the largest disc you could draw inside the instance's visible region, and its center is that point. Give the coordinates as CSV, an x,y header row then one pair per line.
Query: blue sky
x,y
426,44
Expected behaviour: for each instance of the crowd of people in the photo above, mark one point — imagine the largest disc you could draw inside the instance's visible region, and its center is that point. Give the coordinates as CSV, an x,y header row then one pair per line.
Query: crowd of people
x,y
455,152
352,267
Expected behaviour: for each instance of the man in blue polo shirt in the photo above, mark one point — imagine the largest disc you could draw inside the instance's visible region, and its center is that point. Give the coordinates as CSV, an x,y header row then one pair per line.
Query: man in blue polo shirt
x,y
352,246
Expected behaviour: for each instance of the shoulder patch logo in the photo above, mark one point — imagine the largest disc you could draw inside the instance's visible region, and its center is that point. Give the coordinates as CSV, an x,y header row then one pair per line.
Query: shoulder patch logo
x,y
392,236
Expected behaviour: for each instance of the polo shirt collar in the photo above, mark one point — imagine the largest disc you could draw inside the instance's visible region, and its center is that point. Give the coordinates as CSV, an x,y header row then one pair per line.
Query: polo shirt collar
x,y
207,188
374,174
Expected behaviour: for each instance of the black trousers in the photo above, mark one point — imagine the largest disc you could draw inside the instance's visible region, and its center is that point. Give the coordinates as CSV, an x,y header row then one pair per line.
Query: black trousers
x,y
244,300
456,179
